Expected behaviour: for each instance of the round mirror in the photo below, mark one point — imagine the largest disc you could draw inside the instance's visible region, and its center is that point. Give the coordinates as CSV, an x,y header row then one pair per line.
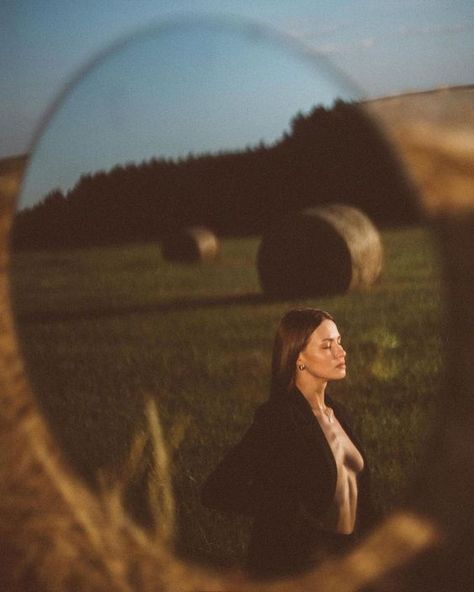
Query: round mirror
x,y
134,262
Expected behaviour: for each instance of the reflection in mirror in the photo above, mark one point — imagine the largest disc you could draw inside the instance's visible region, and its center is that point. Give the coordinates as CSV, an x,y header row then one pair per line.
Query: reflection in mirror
x,y
225,130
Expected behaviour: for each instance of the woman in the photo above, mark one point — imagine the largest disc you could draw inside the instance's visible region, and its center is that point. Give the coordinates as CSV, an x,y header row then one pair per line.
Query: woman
x,y
299,470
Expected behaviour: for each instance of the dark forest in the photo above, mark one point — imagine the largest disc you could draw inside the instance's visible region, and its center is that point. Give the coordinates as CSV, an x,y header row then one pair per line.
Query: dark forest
x,y
331,155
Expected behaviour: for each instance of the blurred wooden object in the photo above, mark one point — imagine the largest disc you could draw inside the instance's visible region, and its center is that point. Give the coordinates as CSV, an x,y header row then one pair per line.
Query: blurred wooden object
x,y
434,135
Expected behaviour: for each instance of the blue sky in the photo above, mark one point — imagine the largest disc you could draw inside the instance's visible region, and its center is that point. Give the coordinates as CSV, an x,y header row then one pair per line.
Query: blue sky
x,y
136,103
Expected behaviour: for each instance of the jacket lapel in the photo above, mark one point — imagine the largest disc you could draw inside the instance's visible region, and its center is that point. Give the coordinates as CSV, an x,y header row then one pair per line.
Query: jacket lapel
x,y
312,432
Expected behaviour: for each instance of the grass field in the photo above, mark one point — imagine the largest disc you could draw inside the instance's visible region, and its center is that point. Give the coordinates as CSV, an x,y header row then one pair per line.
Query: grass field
x,y
102,327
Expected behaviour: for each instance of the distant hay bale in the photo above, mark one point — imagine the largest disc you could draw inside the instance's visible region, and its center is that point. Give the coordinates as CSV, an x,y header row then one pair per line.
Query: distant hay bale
x,y
190,245
325,250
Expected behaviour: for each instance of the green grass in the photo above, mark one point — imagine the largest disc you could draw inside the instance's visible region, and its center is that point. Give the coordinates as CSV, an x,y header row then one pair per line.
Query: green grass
x,y
102,327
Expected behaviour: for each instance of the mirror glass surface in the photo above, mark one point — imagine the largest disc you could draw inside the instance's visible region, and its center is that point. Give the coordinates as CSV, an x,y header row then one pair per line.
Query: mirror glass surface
x,y
220,126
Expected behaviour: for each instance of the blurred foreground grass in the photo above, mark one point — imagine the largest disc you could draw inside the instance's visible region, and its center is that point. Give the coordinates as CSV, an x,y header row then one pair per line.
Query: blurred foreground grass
x,y
101,328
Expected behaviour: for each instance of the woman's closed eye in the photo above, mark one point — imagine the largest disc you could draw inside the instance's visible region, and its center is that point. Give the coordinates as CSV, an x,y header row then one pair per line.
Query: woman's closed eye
x,y
331,344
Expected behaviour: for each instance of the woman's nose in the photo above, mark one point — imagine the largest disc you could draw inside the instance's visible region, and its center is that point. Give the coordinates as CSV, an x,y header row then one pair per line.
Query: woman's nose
x,y
340,352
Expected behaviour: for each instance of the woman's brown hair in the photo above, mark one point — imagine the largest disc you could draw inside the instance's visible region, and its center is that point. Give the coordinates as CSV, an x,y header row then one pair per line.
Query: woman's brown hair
x,y
291,337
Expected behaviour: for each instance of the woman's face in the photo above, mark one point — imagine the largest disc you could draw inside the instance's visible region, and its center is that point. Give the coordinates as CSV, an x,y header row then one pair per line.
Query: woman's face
x,y
324,357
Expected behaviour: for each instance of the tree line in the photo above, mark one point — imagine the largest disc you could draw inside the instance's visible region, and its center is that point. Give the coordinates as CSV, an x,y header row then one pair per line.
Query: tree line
x,y
335,154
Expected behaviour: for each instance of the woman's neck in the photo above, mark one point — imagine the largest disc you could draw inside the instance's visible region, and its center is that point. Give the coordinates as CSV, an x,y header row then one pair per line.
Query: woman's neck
x,y
313,391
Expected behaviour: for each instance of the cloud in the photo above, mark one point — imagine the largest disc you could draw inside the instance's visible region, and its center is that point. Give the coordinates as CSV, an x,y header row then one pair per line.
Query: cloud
x,y
344,48
434,29
366,43
312,34
309,30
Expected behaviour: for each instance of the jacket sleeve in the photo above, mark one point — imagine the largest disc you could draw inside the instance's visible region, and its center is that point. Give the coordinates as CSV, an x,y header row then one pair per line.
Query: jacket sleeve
x,y
279,463
235,484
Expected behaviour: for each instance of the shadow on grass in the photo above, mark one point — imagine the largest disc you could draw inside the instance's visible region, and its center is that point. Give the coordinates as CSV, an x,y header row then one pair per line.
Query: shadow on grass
x,y
170,305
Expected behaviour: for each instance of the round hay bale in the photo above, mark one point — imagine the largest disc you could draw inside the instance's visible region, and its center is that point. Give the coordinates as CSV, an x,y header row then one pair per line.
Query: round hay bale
x,y
321,251
190,245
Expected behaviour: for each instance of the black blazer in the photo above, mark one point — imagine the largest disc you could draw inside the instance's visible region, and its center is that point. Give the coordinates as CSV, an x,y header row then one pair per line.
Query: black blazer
x,y
283,473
